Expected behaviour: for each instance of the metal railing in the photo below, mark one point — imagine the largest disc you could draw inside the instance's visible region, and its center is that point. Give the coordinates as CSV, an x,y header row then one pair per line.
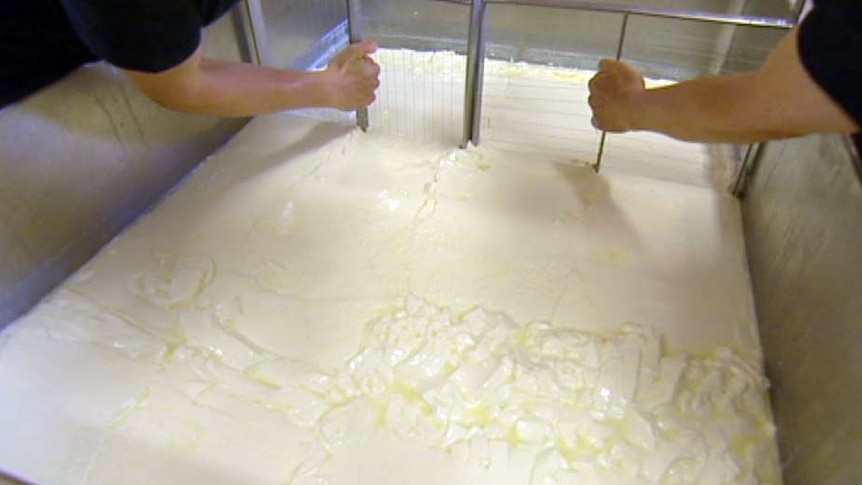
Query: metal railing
x,y
719,18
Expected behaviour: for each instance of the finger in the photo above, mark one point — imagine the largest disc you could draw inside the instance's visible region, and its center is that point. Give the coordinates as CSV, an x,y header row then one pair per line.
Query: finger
x,y
357,51
600,83
591,85
606,65
372,68
366,101
364,48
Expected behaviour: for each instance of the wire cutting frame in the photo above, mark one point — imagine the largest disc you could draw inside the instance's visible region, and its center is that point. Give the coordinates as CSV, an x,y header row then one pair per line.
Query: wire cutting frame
x,y
476,44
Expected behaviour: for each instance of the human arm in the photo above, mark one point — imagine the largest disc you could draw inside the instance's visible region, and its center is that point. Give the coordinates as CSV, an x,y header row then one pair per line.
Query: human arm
x,y
778,101
214,87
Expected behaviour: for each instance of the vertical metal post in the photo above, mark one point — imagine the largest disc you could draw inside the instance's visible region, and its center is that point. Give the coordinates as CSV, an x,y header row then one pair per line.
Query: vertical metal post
x,y
622,40
258,32
801,9
354,31
746,169
475,72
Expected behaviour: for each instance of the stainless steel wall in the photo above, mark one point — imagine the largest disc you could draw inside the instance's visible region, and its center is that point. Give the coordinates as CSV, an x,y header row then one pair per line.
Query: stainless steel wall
x,y
416,24
81,159
295,29
803,228
664,48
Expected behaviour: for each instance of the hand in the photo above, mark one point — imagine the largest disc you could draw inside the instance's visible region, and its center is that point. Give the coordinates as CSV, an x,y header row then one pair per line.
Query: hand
x,y
612,91
353,77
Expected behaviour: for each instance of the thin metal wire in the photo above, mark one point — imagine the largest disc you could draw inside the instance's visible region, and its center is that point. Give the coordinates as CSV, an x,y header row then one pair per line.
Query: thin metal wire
x,y
619,54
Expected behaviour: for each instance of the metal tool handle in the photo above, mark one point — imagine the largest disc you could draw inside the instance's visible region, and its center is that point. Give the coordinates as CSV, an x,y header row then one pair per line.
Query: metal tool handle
x,y
355,34
475,73
619,54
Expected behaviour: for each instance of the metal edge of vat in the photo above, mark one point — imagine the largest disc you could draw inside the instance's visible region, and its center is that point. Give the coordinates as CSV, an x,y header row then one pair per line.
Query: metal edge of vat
x,y
854,146
802,234
751,160
728,19
7,478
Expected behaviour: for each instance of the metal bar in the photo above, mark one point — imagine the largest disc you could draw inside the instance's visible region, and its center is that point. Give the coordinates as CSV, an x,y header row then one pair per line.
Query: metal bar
x,y
619,55
480,77
801,9
241,24
355,34
746,169
854,145
475,63
258,32
7,478
749,21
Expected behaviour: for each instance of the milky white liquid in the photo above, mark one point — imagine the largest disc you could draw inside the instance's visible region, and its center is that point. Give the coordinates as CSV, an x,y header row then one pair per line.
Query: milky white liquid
x,y
318,305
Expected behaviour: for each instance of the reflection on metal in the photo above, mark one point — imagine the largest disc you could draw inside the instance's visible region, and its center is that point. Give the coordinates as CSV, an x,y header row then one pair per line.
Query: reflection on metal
x,y
852,144
241,23
746,170
475,73
322,51
619,54
9,479
804,246
258,32
716,18
801,8
353,19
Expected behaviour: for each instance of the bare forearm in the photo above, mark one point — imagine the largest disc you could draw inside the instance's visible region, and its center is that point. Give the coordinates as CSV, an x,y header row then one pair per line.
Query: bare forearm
x,y
713,109
780,100
226,88
222,88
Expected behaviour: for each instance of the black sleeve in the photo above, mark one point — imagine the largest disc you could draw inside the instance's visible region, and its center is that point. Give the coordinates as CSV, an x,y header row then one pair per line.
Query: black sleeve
x,y
37,47
140,35
830,45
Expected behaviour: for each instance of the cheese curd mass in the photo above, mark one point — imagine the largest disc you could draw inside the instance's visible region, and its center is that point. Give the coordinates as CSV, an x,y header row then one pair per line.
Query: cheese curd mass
x,y
318,305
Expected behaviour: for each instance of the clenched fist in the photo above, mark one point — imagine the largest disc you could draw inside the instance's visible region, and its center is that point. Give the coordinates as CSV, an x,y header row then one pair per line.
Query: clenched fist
x,y
353,77
612,91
